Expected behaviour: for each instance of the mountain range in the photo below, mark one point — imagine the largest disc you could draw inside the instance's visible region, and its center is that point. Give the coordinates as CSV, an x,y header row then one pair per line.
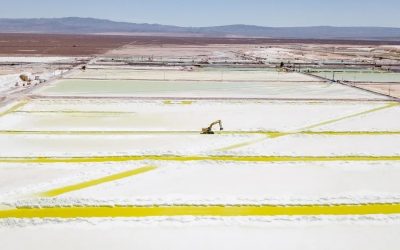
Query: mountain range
x,y
77,25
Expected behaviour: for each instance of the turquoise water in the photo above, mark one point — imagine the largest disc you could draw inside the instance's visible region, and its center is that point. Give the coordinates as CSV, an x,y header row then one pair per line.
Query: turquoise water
x,y
82,87
362,76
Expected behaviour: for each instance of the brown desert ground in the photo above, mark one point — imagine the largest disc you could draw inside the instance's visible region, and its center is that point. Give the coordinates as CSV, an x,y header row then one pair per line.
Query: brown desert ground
x,y
86,45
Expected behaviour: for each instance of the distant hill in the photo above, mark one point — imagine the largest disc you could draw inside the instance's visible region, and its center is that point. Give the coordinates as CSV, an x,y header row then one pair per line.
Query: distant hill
x,y
76,25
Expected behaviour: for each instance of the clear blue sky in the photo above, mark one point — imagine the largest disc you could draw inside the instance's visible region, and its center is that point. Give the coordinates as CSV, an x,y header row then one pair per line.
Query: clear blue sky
x,y
216,12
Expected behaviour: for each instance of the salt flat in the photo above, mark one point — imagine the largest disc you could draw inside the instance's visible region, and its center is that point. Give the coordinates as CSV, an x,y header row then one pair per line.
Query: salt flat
x,y
211,233
165,115
113,155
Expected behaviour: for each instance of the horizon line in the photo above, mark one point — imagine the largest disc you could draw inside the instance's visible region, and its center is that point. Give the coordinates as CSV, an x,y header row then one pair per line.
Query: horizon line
x,y
184,26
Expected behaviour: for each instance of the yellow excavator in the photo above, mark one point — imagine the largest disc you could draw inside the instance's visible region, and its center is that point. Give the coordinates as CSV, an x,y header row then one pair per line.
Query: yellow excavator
x,y
208,130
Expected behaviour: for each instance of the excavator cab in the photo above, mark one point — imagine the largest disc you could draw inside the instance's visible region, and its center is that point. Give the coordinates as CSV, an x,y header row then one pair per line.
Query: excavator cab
x,y
209,131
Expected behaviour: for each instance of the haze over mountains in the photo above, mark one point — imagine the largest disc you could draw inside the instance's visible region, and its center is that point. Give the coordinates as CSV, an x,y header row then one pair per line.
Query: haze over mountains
x,y
76,25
